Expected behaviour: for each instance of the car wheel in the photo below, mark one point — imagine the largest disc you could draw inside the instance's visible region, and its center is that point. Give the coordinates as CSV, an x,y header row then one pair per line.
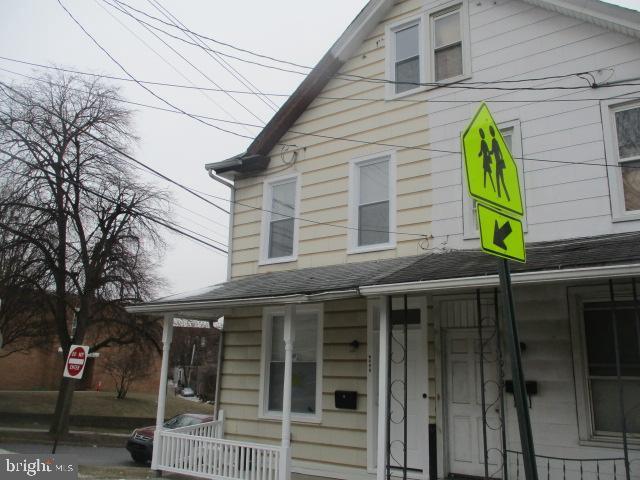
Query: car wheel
x,y
139,458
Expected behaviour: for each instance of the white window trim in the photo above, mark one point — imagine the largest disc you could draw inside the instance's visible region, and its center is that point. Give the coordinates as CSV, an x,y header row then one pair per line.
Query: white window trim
x,y
442,9
390,55
578,296
267,314
425,47
354,194
470,232
267,190
614,173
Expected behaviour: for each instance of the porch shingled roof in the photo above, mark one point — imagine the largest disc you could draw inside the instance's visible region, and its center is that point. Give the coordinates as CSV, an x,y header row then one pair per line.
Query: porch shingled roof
x,y
586,252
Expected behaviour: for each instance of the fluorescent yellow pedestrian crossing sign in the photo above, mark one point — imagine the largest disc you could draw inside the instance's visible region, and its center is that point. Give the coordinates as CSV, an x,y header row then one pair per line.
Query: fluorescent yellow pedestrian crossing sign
x,y
492,175
501,234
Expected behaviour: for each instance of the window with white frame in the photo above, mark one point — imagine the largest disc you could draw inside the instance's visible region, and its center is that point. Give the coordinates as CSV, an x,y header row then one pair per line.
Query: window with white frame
x,y
447,44
626,123
372,202
601,366
511,134
306,377
279,230
406,60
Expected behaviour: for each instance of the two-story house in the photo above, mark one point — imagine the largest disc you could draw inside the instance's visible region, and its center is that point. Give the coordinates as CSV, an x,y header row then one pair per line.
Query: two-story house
x,y
363,325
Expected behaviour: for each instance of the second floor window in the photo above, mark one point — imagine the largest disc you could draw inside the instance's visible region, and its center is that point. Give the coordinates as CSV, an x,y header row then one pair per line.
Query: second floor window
x,y
447,45
627,125
372,202
279,220
407,57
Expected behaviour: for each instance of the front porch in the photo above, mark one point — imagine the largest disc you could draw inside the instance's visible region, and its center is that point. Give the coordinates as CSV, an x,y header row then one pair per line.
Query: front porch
x,y
423,301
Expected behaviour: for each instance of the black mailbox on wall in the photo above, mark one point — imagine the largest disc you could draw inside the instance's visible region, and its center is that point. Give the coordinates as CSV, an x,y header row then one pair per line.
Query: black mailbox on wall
x,y
346,399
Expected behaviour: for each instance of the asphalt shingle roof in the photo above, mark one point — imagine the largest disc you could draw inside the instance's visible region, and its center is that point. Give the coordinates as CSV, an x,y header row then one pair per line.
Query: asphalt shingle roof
x,y
575,253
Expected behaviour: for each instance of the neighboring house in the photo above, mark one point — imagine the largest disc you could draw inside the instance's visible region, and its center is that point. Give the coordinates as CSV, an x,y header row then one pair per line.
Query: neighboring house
x,y
351,220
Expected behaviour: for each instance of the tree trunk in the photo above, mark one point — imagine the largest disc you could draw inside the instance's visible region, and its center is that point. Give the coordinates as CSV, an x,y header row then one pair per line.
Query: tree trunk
x,y
60,421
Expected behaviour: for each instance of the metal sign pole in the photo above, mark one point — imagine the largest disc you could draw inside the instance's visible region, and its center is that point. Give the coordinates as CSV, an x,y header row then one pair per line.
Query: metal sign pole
x,y
519,391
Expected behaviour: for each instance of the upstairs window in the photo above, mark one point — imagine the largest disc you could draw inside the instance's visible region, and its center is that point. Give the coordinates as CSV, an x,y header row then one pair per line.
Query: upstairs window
x,y
279,220
627,126
372,203
407,58
448,59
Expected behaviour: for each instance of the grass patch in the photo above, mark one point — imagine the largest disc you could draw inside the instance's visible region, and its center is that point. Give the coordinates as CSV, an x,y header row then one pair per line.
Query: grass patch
x,y
142,405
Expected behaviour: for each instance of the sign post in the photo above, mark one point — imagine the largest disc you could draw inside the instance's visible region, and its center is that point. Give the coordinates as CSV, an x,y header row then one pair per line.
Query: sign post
x,y
492,181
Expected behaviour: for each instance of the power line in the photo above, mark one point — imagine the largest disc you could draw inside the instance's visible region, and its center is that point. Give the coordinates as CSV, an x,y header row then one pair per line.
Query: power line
x,y
190,64
243,80
390,145
141,84
323,97
266,57
171,65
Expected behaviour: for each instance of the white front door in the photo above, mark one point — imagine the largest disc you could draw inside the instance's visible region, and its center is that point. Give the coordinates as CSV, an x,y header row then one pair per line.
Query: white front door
x,y
464,403
417,401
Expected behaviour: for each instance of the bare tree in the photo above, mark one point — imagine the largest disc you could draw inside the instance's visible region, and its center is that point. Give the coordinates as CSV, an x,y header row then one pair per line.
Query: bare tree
x,y
87,218
24,323
126,365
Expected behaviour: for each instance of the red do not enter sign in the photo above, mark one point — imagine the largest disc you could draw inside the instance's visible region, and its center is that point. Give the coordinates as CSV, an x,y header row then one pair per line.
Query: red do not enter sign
x,y
76,361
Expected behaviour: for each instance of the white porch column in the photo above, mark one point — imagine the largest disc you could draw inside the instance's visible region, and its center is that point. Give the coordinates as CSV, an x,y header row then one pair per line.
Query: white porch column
x,y
285,465
383,386
167,335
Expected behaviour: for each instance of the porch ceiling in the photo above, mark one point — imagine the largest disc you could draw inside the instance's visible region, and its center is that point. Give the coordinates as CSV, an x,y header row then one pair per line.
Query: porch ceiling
x,y
612,255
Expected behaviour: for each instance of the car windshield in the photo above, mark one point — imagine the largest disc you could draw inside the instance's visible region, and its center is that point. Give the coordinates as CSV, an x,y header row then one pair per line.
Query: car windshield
x,y
181,421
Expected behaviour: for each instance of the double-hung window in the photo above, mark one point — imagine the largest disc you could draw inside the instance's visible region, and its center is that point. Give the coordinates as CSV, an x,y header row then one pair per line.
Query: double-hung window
x,y
623,151
432,47
601,369
306,378
406,67
372,203
279,224
447,44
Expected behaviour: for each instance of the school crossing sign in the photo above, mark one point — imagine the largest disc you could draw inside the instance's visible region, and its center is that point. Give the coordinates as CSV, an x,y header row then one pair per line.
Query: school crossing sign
x,y
492,180
492,175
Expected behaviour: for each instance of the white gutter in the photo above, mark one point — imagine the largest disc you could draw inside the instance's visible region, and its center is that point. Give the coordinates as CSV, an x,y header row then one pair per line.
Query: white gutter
x,y
524,278
212,304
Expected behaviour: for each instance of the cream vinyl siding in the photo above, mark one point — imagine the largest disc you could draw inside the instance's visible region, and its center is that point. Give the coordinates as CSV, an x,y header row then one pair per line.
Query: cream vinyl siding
x,y
324,165
341,438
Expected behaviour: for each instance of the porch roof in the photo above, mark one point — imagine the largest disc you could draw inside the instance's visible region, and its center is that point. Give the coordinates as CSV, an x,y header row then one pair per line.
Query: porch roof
x,y
578,258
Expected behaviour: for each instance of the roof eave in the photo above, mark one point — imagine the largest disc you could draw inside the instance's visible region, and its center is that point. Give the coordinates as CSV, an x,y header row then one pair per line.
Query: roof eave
x,y
522,278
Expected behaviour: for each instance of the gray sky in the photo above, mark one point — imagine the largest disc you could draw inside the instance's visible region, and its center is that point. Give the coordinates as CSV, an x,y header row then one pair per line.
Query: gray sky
x,y
300,31
40,31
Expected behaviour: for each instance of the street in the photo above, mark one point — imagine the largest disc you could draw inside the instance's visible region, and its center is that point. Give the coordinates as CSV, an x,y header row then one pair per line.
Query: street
x,y
87,455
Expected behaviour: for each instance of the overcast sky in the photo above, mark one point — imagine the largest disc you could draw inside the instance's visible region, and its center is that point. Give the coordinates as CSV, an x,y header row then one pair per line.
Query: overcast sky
x,y
299,31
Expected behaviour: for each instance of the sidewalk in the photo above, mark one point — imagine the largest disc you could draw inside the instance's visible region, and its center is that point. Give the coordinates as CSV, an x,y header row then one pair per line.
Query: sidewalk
x,y
74,437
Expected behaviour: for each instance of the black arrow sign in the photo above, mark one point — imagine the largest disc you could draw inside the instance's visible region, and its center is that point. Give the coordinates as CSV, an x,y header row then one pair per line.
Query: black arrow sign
x,y
501,233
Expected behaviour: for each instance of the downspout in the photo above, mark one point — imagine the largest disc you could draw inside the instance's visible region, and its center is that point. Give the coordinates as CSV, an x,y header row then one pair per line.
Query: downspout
x,y
232,198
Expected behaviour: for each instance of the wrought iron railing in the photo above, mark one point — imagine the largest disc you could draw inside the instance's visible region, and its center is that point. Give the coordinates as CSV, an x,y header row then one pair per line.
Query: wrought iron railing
x,y
559,468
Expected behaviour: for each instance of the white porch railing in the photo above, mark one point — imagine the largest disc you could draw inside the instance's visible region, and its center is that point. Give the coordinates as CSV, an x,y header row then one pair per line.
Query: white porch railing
x,y
213,429
216,458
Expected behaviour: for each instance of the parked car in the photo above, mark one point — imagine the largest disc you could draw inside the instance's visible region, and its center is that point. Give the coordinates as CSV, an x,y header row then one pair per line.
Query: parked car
x,y
187,392
140,443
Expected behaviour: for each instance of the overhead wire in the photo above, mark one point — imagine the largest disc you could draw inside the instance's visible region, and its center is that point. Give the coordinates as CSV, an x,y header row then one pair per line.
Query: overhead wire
x,y
171,65
162,99
323,97
384,144
192,65
226,65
